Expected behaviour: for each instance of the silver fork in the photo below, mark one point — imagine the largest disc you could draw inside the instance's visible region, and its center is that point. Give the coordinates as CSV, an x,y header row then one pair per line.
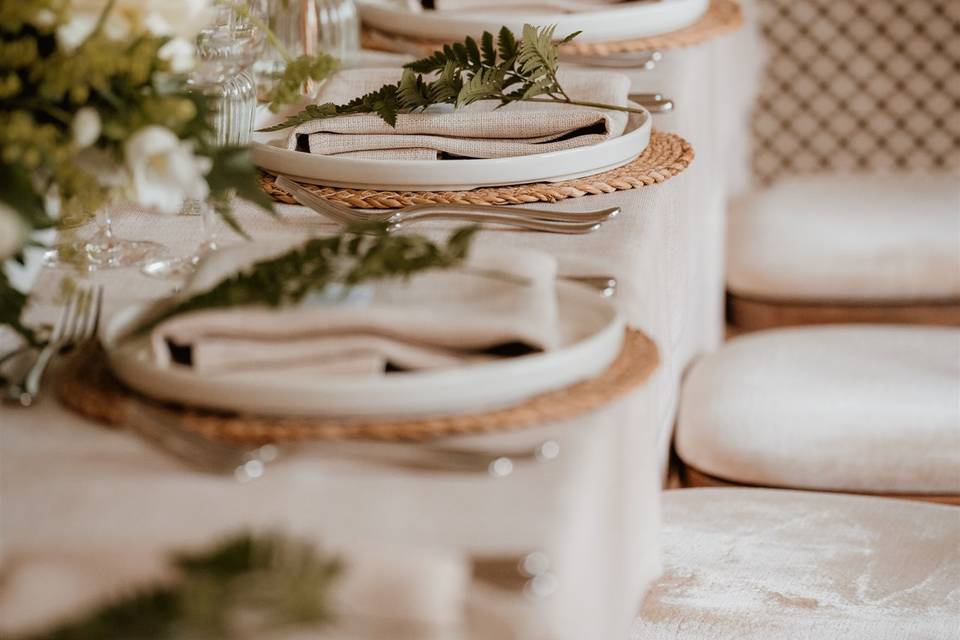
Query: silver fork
x,y
78,323
526,218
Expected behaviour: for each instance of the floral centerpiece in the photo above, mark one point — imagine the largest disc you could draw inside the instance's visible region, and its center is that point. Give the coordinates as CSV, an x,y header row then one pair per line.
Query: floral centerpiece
x,y
94,108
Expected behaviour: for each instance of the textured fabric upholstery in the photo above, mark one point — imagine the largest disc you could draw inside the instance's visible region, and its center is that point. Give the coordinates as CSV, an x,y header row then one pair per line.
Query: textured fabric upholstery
x,y
847,239
753,564
862,408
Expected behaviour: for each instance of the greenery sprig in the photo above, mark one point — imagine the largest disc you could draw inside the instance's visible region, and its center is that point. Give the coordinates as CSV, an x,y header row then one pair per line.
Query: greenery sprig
x,y
359,254
245,585
498,68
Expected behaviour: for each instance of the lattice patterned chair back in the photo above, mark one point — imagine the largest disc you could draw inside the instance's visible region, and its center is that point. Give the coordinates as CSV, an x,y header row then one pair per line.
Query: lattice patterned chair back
x,y
856,159
869,85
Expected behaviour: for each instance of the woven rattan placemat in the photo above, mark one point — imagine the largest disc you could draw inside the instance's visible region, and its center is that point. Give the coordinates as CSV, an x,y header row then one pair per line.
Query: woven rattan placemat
x,y
667,155
90,389
722,17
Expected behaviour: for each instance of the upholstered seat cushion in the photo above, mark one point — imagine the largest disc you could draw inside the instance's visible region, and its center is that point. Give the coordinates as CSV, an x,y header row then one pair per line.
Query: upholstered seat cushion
x,y
862,408
848,239
754,564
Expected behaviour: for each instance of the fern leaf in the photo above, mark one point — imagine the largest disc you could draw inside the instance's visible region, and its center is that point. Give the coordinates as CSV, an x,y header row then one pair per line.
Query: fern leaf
x,y
537,55
569,38
412,91
507,45
485,84
539,88
489,49
447,87
460,54
430,64
386,104
311,112
473,53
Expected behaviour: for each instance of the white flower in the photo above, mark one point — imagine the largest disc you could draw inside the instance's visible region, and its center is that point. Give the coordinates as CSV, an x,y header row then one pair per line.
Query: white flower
x,y
83,18
173,18
12,231
179,53
72,33
164,170
85,127
52,203
44,18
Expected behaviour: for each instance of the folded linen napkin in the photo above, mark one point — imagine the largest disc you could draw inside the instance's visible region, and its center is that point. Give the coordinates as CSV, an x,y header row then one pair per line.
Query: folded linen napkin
x,y
517,6
501,303
479,130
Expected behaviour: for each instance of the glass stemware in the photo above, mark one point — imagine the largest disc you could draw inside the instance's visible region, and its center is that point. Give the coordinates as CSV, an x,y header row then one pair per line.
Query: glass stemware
x,y
232,95
305,27
102,250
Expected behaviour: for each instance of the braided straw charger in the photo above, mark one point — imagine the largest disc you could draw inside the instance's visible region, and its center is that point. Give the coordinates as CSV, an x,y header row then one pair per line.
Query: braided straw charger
x,y
90,389
722,17
666,155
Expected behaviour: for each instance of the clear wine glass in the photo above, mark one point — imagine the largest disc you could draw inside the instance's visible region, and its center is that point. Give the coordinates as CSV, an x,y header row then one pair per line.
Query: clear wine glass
x,y
305,27
225,52
104,249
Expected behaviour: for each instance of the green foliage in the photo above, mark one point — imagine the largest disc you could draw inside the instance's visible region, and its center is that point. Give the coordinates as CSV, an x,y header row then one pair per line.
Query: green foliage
x,y
263,582
129,87
497,68
357,255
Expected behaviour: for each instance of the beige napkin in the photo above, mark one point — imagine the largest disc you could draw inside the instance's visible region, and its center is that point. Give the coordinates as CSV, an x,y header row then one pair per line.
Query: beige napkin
x,y
479,130
519,6
501,303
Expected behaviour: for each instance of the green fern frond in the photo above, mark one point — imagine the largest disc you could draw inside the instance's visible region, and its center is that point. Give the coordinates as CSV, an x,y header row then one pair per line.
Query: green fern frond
x,y
507,45
488,49
413,92
487,83
497,68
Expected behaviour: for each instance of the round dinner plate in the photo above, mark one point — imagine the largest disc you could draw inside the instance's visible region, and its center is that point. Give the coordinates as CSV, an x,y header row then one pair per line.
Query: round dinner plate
x,y
591,329
623,21
269,151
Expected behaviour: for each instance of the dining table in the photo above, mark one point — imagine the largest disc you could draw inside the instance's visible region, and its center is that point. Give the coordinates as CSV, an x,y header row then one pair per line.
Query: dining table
x,y
81,502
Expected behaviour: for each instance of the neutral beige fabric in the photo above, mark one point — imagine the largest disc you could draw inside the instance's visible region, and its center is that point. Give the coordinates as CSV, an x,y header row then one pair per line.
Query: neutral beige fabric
x,y
859,408
479,130
438,319
848,238
749,564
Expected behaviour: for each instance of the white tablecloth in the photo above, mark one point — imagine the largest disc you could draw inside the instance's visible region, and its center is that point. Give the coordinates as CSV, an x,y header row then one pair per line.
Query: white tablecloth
x,y
71,486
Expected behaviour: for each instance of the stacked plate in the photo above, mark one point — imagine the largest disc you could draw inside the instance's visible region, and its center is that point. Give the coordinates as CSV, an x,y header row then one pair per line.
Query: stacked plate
x,y
618,21
270,152
591,331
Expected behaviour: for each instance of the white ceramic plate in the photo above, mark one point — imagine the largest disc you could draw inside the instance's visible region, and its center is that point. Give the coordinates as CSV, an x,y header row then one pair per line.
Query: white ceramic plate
x,y
626,21
591,330
270,152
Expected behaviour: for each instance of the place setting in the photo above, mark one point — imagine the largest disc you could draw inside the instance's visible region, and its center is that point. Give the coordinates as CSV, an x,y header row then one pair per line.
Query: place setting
x,y
499,342
490,121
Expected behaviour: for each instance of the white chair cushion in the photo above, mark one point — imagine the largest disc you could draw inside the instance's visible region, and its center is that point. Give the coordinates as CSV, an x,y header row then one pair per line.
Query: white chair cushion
x,y
863,408
752,564
848,238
